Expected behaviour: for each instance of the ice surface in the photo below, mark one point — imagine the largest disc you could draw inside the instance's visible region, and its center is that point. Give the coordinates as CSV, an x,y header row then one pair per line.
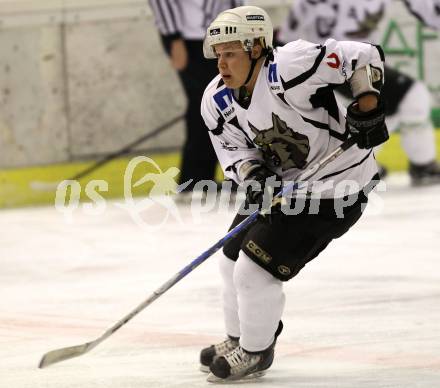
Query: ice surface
x,y
366,313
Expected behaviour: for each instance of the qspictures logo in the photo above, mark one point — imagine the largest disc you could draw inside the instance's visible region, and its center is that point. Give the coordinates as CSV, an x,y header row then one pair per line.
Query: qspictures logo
x,y
165,198
161,195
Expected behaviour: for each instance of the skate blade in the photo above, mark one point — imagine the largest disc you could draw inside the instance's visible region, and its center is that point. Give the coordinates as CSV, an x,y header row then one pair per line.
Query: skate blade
x,y
204,369
212,378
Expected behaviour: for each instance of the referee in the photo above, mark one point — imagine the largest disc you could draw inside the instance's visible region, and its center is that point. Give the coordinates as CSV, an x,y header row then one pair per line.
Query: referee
x,y
182,25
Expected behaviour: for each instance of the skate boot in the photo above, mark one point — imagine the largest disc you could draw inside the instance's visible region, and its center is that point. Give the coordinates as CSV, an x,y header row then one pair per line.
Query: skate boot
x,y
240,364
208,354
424,174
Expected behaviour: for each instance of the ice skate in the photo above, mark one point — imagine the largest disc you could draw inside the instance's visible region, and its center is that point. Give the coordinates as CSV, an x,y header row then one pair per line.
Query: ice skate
x,y
425,175
240,364
208,354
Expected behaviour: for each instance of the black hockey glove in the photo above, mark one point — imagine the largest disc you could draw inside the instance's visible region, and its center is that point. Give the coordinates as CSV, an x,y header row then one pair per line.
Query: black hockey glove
x,y
368,128
266,182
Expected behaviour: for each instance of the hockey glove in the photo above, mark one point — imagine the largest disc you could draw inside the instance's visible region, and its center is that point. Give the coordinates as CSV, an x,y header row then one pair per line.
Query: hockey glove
x,y
368,128
262,181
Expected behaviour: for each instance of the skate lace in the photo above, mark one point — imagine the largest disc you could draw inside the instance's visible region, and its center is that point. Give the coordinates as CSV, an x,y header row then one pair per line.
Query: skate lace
x,y
238,359
226,346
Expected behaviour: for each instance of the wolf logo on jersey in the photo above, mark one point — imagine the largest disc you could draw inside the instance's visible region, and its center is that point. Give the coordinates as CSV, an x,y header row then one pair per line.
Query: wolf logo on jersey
x,y
366,23
282,146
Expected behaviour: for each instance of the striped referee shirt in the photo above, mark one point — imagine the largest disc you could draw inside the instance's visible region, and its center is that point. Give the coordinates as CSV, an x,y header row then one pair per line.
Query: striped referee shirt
x,y
188,19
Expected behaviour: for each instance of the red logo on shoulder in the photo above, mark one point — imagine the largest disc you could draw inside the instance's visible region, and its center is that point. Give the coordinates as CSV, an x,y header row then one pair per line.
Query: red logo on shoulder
x,y
335,61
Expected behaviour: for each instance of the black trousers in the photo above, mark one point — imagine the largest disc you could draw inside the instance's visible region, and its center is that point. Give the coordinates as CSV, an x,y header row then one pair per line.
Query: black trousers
x,y
198,156
284,244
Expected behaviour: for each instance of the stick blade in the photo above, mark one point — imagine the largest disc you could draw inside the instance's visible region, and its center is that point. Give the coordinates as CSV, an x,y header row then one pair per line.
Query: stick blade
x,y
62,354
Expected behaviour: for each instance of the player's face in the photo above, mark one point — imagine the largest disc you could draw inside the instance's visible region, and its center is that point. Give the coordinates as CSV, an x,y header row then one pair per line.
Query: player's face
x,y
233,63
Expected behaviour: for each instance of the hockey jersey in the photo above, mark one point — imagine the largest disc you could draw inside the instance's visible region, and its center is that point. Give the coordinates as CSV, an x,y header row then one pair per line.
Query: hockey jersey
x,y
348,19
293,119
428,11
338,19
311,20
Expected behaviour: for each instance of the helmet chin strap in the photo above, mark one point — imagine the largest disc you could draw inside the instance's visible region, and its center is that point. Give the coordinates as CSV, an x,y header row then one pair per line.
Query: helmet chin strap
x,y
241,93
253,64
251,70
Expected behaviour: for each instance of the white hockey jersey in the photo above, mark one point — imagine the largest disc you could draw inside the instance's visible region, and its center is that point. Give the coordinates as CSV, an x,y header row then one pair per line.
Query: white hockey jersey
x,y
338,19
358,19
348,19
310,20
428,11
293,119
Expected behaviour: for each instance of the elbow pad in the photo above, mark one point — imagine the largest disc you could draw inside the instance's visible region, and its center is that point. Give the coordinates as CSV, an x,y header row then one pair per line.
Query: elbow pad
x,y
247,169
367,79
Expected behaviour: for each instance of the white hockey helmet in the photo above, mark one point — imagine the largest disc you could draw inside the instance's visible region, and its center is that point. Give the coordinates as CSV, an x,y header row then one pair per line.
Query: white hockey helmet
x,y
244,24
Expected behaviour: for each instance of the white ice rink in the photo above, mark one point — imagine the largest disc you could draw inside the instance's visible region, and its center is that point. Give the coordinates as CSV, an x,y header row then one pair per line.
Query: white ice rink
x,y
366,313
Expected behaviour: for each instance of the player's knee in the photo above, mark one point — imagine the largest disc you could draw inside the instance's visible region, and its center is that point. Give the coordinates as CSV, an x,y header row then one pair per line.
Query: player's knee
x,y
251,279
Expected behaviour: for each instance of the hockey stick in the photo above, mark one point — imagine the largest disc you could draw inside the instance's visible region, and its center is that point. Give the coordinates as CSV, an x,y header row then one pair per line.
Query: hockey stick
x,y
48,186
61,354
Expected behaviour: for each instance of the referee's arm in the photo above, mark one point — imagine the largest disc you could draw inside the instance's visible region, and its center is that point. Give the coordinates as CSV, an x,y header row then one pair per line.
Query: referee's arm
x,y
168,17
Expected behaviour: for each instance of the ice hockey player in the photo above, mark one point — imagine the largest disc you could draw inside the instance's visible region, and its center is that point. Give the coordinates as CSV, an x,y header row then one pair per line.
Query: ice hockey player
x,y
270,114
408,101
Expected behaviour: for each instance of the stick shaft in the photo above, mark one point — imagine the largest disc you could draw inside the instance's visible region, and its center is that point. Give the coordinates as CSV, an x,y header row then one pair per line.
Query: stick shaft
x,y
51,358
219,244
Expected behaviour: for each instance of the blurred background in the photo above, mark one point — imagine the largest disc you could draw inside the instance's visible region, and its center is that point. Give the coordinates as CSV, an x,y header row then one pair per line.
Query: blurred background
x,y
82,79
